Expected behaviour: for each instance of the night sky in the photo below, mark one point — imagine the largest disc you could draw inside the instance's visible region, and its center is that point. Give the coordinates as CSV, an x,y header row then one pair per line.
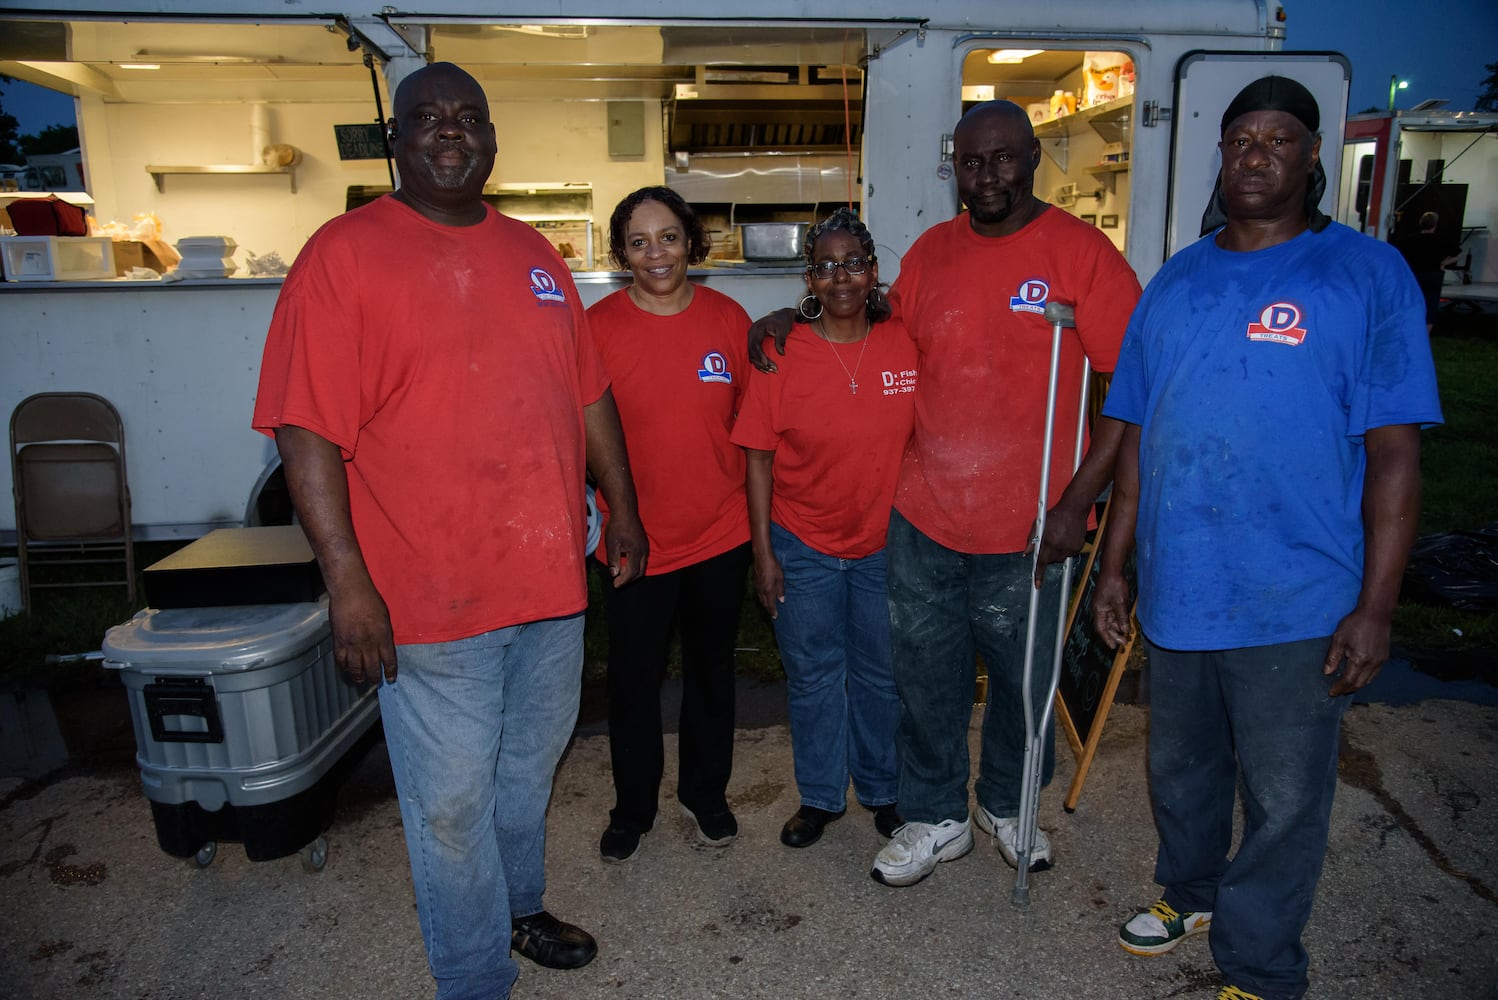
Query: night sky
x,y
1439,46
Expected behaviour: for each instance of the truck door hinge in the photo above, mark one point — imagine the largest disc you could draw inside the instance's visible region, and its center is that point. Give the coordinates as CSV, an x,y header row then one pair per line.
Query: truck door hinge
x,y
1152,114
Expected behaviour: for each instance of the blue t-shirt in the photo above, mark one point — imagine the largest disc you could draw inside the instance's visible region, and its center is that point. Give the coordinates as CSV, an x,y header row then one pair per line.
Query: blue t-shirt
x,y
1253,377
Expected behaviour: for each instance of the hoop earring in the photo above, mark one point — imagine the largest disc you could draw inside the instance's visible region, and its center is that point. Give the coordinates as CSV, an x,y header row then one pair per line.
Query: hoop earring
x,y
878,305
803,312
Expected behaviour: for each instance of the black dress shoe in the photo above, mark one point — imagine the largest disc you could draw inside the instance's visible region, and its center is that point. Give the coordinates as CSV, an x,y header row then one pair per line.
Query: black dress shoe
x,y
548,941
805,828
887,820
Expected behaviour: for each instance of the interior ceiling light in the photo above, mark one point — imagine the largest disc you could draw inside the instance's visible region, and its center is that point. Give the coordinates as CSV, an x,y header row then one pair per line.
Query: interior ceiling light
x,y
574,32
140,65
1012,55
196,57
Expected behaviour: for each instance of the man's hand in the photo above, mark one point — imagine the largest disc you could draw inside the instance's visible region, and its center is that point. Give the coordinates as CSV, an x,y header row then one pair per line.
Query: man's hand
x,y
769,585
778,325
1359,648
1391,510
363,645
627,548
1066,522
1065,534
1110,609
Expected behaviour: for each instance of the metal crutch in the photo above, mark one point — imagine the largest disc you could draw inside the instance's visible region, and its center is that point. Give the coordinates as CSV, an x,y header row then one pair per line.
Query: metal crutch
x,y
1061,316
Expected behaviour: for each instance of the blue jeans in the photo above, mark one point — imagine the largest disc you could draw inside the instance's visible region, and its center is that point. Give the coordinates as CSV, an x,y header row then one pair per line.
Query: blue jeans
x,y
1265,713
947,607
475,728
833,634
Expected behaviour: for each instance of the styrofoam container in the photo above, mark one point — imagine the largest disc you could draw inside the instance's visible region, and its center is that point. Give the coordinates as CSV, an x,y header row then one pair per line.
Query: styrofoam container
x,y
57,258
239,705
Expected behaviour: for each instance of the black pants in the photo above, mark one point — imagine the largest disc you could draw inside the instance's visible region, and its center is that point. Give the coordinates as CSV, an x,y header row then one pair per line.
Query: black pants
x,y
703,602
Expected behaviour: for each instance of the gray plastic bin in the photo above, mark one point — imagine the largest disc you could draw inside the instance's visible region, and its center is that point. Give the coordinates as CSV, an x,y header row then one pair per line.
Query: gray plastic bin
x,y
244,727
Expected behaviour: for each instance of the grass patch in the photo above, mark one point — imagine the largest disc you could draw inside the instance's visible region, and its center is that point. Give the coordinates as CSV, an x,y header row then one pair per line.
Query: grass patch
x,y
69,621
1459,473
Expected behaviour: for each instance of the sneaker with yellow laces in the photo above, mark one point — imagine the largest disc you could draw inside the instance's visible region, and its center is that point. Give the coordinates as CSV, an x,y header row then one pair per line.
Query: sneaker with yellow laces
x,y
1160,928
1234,993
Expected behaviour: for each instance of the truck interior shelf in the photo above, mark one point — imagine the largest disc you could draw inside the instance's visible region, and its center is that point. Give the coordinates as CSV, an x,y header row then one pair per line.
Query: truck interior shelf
x,y
159,173
1112,121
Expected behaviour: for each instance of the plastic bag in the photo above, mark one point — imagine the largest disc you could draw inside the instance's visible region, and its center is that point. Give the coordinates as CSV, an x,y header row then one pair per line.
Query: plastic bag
x,y
1457,568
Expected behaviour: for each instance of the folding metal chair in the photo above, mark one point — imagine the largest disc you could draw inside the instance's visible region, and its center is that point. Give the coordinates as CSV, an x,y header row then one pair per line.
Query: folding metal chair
x,y
67,461
1061,317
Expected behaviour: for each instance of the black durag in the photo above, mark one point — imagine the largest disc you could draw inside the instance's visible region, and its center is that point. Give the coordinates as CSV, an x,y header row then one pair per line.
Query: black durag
x,y
1273,93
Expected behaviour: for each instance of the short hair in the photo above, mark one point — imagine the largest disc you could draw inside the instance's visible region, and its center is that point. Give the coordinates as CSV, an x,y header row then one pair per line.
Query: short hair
x,y
1429,220
699,243
845,220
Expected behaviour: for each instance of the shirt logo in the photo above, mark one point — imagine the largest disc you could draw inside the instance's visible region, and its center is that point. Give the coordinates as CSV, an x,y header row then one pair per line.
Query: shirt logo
x,y
715,369
544,286
1279,324
898,383
1031,298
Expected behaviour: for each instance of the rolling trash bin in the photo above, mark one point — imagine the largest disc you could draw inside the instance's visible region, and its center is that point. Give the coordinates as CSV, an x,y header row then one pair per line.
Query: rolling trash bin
x,y
244,726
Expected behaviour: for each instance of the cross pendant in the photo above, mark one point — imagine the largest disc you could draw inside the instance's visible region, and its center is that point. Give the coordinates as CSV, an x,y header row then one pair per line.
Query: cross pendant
x,y
853,387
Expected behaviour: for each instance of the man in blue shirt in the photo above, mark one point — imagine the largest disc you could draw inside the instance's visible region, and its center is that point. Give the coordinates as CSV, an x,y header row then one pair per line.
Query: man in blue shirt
x,y
1274,379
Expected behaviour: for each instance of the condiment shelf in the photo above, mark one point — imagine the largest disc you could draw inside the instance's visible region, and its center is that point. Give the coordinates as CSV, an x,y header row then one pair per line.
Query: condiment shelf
x,y
159,173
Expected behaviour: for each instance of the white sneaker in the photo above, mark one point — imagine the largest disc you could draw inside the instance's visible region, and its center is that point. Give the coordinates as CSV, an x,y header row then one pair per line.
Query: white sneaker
x,y
1004,831
916,849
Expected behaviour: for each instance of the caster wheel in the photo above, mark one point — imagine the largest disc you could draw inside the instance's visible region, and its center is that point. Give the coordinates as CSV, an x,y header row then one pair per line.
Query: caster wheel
x,y
205,854
315,856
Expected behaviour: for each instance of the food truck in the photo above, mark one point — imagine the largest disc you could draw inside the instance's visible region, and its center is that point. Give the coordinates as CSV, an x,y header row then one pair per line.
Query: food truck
x,y
1398,165
243,127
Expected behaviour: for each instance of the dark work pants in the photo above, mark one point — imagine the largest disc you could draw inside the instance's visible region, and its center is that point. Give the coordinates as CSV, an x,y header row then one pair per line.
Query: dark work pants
x,y
1263,714
702,602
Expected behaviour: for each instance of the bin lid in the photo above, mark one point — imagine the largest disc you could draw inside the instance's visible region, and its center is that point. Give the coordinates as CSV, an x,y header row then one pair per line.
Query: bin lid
x,y
231,638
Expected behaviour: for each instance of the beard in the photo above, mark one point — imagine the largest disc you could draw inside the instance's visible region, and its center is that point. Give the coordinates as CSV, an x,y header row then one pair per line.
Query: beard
x,y
993,214
450,177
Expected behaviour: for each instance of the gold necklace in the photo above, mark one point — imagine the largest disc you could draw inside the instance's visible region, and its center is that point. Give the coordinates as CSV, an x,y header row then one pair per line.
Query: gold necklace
x,y
853,375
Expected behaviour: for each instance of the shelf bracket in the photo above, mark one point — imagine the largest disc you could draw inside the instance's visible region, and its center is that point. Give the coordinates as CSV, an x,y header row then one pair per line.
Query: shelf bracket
x,y
1058,148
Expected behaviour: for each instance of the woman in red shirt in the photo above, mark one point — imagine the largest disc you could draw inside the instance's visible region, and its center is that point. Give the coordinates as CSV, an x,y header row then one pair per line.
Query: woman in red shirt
x,y
675,353
824,437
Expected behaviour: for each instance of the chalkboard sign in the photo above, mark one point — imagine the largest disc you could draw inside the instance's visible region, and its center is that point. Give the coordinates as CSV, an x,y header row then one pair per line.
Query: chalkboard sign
x,y
1090,671
360,142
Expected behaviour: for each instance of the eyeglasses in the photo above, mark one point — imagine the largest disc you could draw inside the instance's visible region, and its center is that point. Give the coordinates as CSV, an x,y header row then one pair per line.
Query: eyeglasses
x,y
825,269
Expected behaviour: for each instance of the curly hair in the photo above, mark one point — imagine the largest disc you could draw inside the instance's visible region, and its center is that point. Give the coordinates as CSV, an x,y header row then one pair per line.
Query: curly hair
x,y
845,220
699,243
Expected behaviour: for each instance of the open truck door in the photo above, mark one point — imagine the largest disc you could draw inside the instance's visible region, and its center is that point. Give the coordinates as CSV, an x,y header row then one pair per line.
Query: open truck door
x,y
1206,82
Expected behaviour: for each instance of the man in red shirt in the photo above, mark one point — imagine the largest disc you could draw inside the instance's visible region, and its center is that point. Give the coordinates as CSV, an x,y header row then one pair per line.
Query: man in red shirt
x,y
433,421
973,292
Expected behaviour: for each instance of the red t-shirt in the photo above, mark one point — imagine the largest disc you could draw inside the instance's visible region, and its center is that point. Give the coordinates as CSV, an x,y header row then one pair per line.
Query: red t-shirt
x,y
974,305
450,365
678,381
837,453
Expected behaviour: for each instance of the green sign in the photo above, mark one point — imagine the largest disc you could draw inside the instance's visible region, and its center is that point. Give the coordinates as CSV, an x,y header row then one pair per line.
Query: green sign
x,y
360,142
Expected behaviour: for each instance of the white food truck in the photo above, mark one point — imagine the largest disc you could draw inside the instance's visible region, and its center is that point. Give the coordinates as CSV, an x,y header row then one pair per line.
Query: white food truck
x,y
253,120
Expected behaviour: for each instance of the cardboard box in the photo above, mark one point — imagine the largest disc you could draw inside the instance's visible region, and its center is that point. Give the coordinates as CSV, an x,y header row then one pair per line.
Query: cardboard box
x,y
134,253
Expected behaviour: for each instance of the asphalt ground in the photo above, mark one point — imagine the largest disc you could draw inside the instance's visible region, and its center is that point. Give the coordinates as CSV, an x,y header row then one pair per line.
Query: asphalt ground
x,y
1407,907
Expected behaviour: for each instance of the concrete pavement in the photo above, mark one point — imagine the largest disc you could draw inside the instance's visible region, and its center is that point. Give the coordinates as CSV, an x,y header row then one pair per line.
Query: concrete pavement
x,y
1408,905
